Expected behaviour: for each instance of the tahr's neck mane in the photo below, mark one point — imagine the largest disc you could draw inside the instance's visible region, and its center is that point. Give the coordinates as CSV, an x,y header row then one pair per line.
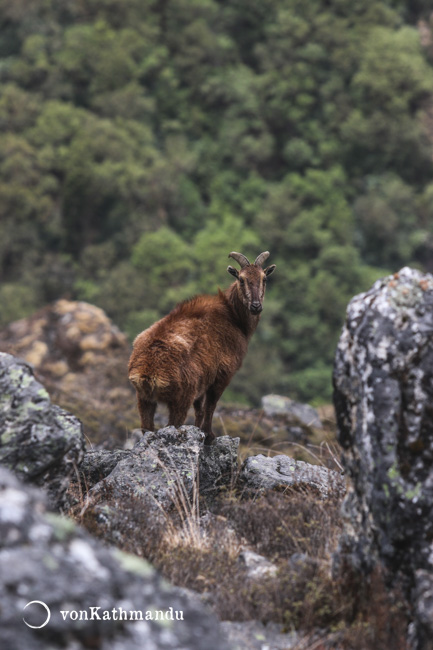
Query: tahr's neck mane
x,y
244,319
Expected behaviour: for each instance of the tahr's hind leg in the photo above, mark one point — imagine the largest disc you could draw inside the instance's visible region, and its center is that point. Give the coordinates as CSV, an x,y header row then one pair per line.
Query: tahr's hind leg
x,y
147,410
177,412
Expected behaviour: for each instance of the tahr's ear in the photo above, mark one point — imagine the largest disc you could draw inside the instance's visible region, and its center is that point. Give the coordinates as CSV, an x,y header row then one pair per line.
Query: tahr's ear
x,y
233,271
270,269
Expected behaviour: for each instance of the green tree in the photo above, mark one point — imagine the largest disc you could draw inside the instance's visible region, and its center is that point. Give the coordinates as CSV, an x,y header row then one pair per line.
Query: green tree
x,y
142,141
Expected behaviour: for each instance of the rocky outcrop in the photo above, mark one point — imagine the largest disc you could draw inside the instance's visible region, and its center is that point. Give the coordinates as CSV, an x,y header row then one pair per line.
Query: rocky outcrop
x,y
157,467
261,473
39,441
164,471
383,383
168,470
155,498
64,337
95,597
81,357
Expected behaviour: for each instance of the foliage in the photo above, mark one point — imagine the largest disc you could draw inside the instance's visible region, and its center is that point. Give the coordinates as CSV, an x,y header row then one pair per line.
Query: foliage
x,y
142,141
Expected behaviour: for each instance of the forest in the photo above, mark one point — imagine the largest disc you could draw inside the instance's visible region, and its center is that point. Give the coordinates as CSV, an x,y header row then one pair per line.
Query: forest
x,y
141,141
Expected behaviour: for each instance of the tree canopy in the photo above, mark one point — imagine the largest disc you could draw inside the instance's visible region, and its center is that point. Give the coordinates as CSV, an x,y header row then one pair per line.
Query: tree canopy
x,y
141,141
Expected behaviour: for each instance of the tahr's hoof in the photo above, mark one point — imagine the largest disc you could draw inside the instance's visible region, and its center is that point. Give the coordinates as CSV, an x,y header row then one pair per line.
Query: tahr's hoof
x,y
209,439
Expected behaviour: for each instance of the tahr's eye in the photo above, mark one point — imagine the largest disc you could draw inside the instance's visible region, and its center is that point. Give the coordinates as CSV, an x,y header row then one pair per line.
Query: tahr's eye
x,y
242,282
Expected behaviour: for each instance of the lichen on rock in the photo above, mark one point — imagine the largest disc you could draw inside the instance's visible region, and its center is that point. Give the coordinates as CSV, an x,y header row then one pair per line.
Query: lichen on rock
x,y
44,557
39,441
383,395
260,473
164,471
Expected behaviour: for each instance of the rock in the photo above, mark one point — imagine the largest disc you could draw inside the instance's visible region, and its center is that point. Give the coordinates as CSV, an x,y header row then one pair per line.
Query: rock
x,y
156,468
81,357
278,405
383,395
300,561
260,473
45,558
163,472
423,596
256,636
99,463
255,565
71,333
39,441
218,465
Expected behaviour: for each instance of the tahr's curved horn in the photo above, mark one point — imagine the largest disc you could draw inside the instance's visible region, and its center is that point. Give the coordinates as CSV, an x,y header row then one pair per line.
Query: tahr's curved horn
x,y
260,259
240,259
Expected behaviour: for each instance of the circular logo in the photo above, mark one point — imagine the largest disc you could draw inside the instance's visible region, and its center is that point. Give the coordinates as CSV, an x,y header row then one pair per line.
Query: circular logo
x,y
38,602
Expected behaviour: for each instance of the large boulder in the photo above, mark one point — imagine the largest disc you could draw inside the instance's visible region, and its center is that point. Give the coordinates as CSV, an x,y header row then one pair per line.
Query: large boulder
x,y
64,337
383,395
81,357
96,598
39,441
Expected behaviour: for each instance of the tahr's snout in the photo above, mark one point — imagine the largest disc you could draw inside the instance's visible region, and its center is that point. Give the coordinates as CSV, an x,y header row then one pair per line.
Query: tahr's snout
x,y
256,307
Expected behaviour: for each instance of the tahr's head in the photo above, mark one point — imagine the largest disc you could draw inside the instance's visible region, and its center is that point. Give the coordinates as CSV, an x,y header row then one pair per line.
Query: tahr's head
x,y
251,280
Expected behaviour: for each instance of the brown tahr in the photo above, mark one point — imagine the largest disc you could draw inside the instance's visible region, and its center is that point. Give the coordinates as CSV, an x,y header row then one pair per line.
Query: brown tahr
x,y
189,357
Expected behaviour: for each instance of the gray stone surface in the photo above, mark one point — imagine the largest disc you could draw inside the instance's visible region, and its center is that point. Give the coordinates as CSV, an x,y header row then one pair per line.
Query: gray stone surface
x,y
163,472
159,465
39,441
218,465
255,565
280,405
260,473
383,395
99,463
46,558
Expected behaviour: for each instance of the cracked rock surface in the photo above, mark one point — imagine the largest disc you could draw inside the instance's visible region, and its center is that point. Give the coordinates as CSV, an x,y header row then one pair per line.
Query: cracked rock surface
x,y
160,473
383,395
39,441
260,473
44,557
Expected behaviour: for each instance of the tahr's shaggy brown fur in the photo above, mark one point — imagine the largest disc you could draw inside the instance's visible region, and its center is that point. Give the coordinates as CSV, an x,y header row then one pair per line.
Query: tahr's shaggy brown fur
x,y
189,356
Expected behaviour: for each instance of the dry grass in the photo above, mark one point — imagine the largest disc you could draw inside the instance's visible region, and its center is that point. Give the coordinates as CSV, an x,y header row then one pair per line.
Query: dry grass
x,y
196,544
281,524
260,434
